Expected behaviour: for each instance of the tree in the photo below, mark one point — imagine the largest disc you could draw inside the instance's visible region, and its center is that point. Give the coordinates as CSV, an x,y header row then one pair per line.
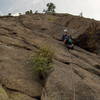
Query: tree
x,y
29,12
20,14
50,8
81,14
44,11
9,14
36,11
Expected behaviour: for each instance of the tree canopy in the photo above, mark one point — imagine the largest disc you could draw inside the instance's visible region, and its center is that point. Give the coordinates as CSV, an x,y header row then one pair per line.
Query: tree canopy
x,y
50,8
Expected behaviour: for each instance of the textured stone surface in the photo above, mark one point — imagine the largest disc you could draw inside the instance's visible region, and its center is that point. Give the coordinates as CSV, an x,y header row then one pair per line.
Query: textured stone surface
x,y
21,36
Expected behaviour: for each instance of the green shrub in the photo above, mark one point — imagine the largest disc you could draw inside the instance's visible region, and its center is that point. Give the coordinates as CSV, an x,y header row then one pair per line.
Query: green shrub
x,y
29,12
9,14
42,62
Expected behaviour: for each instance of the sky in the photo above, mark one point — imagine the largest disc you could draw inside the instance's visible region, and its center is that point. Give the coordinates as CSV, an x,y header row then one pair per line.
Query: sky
x,y
89,8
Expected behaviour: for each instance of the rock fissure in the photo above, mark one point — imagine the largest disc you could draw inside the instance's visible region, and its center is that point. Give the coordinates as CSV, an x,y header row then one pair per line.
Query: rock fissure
x,y
15,90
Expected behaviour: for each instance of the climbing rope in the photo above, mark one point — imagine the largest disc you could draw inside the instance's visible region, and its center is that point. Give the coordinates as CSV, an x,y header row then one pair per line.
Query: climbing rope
x,y
72,78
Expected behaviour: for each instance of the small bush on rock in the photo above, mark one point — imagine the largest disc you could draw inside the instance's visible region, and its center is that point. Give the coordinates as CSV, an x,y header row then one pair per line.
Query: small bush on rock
x,y
42,62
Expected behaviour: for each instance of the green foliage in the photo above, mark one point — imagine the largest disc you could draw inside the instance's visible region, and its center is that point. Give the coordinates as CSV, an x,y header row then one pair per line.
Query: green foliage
x,y
29,12
44,11
9,14
42,62
20,14
36,12
51,8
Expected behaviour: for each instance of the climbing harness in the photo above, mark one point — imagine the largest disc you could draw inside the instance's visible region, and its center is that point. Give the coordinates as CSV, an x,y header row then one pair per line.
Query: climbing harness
x,y
72,77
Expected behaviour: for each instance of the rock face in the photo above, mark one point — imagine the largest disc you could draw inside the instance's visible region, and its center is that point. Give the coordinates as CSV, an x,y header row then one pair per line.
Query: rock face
x,y
79,79
76,73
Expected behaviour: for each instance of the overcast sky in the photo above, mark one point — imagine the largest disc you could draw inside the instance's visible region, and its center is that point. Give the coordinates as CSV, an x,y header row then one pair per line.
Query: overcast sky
x,y
90,8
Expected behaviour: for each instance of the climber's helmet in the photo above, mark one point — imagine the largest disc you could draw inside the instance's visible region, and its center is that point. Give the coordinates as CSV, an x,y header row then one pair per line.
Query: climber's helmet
x,y
65,30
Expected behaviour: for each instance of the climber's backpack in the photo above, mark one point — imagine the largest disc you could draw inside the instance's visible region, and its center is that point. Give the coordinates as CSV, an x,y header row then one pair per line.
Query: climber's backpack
x,y
69,43
68,40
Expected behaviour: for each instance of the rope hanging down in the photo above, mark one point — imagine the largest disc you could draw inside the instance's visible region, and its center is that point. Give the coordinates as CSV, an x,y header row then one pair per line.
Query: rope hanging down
x,y
72,78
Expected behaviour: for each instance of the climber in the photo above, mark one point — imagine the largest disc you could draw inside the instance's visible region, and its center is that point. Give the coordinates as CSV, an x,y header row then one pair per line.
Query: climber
x,y
65,35
67,39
